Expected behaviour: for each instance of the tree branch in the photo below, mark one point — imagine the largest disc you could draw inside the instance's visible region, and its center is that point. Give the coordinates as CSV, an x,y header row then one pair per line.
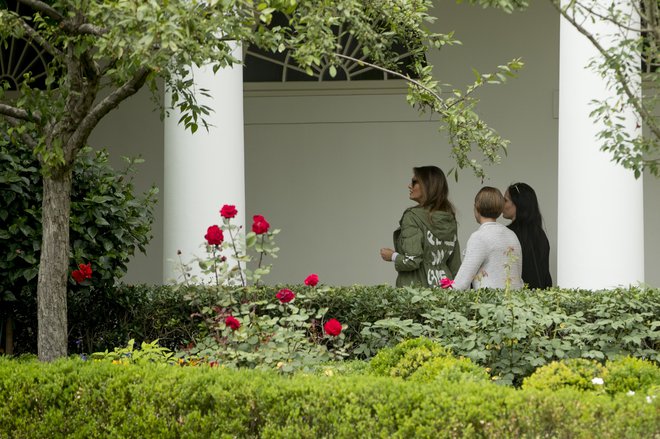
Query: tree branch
x,y
610,19
86,28
44,8
109,103
37,38
17,113
26,137
67,25
392,72
618,71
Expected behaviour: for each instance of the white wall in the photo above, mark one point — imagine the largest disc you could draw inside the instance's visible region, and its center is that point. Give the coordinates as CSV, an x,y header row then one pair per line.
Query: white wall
x,y
329,163
332,170
135,129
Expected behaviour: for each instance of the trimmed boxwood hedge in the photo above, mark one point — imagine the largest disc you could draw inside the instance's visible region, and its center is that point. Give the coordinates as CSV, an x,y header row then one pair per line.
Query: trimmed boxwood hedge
x,y
72,398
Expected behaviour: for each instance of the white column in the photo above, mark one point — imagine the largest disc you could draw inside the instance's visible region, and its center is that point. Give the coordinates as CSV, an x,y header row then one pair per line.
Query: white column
x,y
203,170
600,204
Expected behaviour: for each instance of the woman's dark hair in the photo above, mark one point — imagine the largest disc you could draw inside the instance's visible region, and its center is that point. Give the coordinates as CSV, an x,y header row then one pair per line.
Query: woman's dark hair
x,y
436,191
528,213
528,227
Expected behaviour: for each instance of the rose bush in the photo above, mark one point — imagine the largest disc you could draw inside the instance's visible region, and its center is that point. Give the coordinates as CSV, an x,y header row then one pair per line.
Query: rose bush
x,y
258,333
228,261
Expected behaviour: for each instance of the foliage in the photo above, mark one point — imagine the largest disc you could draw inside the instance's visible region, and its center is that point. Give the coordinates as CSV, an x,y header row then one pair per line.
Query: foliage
x,y
578,373
409,354
451,369
424,360
271,333
73,398
109,222
339,368
548,325
125,312
512,334
634,33
629,374
625,375
282,336
147,353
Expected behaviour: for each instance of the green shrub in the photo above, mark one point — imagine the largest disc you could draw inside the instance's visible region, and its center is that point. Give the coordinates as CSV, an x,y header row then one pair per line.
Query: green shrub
x,y
577,373
424,360
510,334
630,374
140,312
146,353
406,357
77,399
450,369
108,224
341,368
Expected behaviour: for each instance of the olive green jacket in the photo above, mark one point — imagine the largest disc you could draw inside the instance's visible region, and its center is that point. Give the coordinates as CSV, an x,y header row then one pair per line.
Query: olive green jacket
x,y
427,247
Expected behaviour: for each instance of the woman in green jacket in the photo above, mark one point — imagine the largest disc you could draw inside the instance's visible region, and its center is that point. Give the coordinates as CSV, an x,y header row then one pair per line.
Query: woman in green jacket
x,y
426,245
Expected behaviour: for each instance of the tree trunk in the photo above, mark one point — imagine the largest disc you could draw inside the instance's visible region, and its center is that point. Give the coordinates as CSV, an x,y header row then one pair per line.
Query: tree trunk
x,y
54,265
9,336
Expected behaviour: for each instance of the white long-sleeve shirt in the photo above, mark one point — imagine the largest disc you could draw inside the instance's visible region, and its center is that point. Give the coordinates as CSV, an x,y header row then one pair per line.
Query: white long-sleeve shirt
x,y
492,255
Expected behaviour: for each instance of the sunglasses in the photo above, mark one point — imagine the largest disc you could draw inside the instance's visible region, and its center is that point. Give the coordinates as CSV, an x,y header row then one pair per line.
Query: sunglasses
x,y
413,182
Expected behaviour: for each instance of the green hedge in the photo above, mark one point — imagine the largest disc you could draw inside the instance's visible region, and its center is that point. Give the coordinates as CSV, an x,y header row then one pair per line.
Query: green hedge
x,y
72,398
512,334
140,312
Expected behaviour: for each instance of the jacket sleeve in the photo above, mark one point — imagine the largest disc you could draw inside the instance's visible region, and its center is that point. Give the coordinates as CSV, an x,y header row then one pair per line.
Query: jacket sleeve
x,y
410,245
454,260
475,255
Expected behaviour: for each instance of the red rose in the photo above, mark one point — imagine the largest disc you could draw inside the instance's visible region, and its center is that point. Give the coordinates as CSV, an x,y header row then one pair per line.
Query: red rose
x,y
232,322
312,280
86,270
332,327
445,283
228,211
285,295
214,235
259,225
78,276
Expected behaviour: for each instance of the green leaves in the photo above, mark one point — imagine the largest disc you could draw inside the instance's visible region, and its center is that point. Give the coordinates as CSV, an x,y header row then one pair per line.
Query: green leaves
x,y
633,88
166,39
283,337
108,221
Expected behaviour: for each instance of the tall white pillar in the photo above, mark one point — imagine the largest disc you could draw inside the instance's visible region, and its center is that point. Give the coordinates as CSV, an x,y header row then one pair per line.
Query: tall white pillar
x,y
203,170
600,204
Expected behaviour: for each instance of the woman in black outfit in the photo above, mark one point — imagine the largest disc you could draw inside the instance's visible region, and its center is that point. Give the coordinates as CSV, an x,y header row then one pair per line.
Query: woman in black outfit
x,y
522,208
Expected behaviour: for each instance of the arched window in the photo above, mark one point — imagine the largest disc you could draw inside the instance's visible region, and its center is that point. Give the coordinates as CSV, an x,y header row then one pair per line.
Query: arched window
x,y
22,57
261,66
